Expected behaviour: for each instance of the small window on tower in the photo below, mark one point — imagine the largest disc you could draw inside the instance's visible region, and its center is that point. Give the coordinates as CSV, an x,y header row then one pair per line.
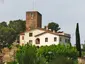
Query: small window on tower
x,y
30,34
32,15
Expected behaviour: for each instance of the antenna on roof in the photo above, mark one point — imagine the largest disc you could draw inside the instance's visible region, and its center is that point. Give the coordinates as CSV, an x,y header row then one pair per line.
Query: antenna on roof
x,y
33,5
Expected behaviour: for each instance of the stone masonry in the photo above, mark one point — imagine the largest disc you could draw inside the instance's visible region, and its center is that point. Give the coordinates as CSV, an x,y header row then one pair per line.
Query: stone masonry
x,y
33,20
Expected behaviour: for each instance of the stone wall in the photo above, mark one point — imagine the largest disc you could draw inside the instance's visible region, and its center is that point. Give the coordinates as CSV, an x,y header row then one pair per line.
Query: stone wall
x,y
33,20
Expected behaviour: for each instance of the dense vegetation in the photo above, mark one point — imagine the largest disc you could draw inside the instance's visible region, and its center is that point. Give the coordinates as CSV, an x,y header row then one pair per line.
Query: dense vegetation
x,y
10,32
29,54
61,54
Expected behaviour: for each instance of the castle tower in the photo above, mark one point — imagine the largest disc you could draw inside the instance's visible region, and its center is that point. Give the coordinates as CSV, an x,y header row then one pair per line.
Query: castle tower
x,y
33,20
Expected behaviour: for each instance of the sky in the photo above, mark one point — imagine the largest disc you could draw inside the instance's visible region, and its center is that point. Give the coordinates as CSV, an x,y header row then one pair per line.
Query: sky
x,y
64,12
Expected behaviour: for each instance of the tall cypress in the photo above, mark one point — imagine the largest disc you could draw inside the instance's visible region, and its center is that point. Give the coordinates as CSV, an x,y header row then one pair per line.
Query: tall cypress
x,y
78,45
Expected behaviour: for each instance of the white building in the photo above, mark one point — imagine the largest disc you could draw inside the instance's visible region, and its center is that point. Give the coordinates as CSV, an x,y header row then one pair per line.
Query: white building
x,y
35,35
42,37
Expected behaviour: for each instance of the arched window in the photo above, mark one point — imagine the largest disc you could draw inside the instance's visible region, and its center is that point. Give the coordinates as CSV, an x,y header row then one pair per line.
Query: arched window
x,y
37,41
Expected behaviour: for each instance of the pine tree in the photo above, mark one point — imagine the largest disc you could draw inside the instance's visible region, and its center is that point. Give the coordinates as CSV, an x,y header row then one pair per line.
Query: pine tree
x,y
78,45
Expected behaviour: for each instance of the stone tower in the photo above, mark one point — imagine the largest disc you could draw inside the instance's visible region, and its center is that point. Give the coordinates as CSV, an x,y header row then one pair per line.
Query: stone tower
x,y
33,20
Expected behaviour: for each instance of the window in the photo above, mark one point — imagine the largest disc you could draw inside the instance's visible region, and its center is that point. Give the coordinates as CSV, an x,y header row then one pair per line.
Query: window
x,y
37,41
32,15
30,41
55,39
60,39
30,34
66,40
46,39
22,37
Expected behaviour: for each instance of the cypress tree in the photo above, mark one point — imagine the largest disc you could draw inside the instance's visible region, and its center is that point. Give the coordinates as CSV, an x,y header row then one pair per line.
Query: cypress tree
x,y
78,45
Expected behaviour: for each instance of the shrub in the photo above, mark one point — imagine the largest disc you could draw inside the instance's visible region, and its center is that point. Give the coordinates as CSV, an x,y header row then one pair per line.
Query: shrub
x,y
51,52
62,60
26,54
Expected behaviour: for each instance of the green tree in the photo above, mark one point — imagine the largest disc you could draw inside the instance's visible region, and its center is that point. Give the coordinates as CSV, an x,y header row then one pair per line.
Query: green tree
x,y
78,45
17,25
4,24
26,54
62,60
83,46
51,52
53,26
7,36
9,33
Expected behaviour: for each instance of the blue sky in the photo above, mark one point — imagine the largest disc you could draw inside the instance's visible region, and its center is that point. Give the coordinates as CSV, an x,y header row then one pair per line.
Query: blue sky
x,y
64,12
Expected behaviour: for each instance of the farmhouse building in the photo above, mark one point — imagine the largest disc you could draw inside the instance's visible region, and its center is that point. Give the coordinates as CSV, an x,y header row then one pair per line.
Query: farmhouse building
x,y
38,36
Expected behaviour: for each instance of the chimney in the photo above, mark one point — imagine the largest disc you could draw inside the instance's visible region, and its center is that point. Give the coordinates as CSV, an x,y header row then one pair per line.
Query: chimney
x,y
46,27
49,29
53,31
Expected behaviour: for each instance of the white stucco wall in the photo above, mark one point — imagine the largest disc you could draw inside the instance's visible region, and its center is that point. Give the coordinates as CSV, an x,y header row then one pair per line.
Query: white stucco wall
x,y
42,38
21,41
50,39
27,38
63,38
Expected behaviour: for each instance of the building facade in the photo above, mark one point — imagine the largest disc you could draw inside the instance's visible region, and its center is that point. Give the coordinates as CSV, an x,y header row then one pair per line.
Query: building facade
x,y
38,36
42,37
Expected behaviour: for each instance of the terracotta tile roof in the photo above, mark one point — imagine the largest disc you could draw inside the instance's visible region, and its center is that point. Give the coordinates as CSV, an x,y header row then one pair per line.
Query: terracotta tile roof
x,y
22,33
51,32
40,34
56,33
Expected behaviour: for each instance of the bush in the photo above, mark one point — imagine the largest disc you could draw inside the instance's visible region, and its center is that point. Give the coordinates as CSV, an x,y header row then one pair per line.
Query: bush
x,y
12,63
26,54
62,60
51,52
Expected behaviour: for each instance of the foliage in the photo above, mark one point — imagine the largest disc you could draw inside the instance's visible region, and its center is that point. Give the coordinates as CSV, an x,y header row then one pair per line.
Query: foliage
x,y
53,26
10,32
62,60
83,47
7,36
41,60
27,54
3,24
17,25
51,52
12,63
78,46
